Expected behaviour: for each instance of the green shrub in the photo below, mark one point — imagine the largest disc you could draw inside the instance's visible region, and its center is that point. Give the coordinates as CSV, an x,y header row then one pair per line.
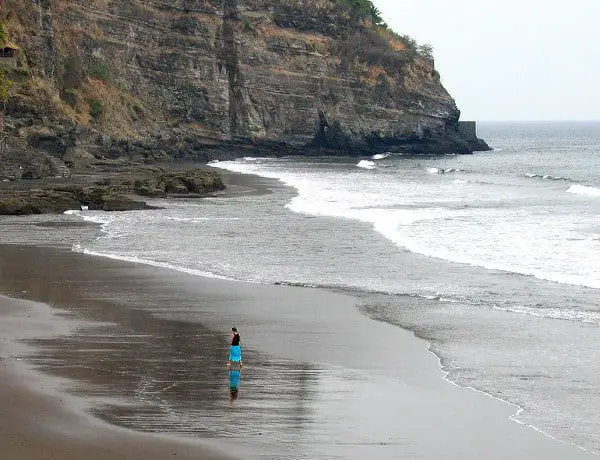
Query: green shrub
x,y
247,28
96,109
100,71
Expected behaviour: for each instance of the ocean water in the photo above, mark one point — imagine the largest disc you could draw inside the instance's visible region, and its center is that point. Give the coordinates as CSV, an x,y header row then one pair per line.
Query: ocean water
x,y
498,253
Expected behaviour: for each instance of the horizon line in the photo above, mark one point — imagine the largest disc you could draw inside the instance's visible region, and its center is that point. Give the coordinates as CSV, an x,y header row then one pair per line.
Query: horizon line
x,y
591,120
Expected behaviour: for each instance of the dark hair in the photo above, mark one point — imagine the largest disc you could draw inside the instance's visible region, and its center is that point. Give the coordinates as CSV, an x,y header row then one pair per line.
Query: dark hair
x,y
234,329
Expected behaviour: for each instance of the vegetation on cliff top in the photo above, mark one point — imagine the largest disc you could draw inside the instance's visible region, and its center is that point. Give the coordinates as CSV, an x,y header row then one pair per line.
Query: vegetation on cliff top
x,y
358,32
366,9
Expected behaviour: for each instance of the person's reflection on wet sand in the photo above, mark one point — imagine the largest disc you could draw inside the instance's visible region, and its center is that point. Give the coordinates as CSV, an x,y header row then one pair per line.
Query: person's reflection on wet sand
x,y
235,376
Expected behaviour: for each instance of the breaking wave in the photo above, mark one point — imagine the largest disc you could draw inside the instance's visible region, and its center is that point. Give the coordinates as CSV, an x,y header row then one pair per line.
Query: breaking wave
x,y
366,164
584,190
547,177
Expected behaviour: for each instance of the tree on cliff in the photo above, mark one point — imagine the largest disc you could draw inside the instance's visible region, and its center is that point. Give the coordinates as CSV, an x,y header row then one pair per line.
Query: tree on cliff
x,y
366,9
425,50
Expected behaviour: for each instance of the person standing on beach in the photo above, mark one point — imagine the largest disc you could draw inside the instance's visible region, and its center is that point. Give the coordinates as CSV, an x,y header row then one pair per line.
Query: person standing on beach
x,y
235,350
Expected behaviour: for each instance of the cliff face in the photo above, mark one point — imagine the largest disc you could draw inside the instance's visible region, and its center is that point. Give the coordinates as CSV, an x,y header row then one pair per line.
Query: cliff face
x,y
197,78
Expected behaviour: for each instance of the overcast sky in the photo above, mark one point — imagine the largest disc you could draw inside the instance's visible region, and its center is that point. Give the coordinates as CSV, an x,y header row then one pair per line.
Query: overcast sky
x,y
510,60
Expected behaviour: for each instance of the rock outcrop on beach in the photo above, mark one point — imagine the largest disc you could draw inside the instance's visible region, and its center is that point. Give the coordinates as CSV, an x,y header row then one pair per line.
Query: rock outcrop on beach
x,y
153,80
116,189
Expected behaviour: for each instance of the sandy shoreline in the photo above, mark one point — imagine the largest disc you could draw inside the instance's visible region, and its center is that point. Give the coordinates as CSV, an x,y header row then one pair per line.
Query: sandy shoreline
x,y
320,382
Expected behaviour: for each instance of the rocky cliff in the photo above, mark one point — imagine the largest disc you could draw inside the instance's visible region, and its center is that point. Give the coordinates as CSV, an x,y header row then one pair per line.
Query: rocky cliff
x,y
197,79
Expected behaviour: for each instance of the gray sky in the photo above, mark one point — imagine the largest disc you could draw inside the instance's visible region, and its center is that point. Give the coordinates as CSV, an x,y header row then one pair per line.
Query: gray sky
x,y
510,60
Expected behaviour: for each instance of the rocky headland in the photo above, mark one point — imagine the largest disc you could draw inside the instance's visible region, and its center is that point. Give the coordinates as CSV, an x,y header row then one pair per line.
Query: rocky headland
x,y
91,86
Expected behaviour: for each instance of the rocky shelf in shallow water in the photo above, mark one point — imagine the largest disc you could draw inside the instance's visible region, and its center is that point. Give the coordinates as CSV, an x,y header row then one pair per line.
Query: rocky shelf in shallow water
x,y
121,189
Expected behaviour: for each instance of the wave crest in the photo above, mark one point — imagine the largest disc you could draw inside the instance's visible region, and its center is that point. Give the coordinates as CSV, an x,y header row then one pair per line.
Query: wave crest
x,y
547,177
380,156
583,316
444,170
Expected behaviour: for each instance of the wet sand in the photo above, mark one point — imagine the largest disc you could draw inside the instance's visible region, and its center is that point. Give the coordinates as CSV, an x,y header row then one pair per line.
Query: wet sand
x,y
37,421
141,349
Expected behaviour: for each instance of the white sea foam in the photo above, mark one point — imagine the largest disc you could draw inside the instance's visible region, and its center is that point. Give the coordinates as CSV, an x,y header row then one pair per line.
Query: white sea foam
x,y
197,219
567,314
439,298
366,164
584,190
98,217
256,158
380,156
444,170
445,232
111,224
547,177
108,255
572,263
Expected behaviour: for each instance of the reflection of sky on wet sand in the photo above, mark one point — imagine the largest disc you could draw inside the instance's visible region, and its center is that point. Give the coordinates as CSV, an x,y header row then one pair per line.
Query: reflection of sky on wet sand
x,y
173,379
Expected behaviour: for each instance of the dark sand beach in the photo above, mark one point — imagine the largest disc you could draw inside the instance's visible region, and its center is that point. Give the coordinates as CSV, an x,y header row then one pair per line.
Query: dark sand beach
x,y
122,360
37,421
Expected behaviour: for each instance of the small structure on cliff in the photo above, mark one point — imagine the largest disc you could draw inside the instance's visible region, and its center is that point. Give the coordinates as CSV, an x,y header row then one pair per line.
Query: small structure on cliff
x,y
9,50
468,131
8,55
